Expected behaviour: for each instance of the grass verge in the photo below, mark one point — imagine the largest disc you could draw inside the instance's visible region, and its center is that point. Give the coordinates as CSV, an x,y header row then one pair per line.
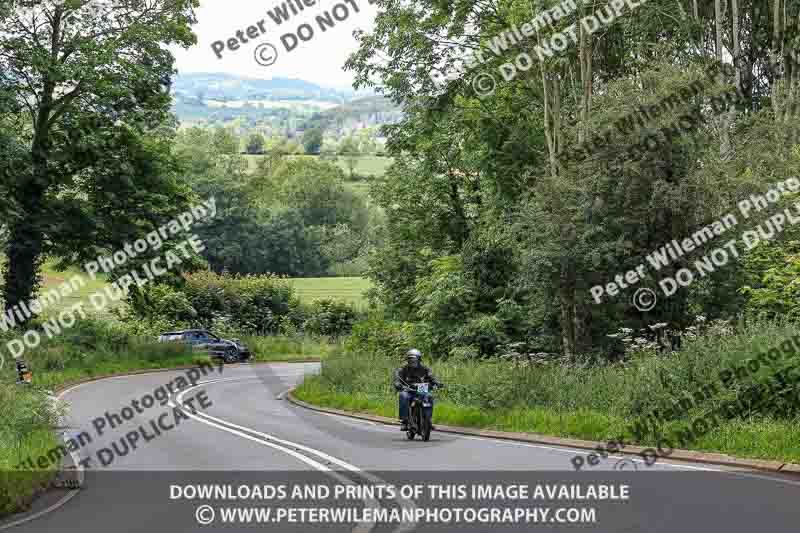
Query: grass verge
x,y
591,403
92,349
24,430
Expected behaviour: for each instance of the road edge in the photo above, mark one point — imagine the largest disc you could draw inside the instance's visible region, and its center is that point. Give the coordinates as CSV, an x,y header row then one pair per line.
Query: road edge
x,y
9,519
686,456
73,384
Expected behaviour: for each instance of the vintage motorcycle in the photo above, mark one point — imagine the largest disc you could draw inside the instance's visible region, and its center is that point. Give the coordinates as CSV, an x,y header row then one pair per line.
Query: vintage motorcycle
x,y
420,411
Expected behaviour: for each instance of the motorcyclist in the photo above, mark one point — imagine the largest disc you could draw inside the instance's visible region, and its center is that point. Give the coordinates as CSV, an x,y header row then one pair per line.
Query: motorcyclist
x,y
412,372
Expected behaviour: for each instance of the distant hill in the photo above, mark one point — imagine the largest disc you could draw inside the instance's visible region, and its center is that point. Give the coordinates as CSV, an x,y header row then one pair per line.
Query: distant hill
x,y
226,87
367,111
287,105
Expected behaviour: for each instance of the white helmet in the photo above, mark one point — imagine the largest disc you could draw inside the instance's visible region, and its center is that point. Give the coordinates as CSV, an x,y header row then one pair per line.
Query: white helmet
x,y
414,355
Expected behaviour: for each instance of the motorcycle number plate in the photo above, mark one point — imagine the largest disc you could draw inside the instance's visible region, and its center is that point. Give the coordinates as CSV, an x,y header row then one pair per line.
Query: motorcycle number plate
x,y
422,387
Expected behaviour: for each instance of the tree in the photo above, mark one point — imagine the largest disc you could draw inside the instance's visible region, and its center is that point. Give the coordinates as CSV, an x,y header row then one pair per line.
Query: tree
x,y
478,175
316,189
255,144
292,147
349,150
225,142
312,141
93,79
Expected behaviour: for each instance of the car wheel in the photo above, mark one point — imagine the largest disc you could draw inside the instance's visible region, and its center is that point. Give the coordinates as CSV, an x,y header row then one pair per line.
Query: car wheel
x,y
231,355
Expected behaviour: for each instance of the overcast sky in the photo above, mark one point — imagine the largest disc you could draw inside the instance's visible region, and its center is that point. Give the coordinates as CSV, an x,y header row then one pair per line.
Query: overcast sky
x,y
319,59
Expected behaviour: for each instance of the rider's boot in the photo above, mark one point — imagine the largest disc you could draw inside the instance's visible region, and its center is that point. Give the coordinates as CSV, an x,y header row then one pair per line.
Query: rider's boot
x,y
403,425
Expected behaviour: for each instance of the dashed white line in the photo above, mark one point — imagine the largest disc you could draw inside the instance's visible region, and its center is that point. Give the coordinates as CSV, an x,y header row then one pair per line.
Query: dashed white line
x,y
281,445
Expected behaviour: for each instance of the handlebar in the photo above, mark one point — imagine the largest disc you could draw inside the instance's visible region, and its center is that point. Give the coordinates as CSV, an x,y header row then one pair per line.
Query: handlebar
x,y
408,388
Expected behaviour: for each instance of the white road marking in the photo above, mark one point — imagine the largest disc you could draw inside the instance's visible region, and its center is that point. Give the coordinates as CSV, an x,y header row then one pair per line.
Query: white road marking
x,y
573,451
281,446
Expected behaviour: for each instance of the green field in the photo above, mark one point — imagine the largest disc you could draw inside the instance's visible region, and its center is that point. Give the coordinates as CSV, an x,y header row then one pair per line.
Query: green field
x,y
368,165
53,279
308,289
347,289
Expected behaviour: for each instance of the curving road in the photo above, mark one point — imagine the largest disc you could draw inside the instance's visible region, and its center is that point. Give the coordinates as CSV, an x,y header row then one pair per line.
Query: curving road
x,y
235,429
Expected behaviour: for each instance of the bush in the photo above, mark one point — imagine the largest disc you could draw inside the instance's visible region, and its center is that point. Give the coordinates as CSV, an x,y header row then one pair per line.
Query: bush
x,y
25,431
250,304
162,301
643,383
377,336
778,293
485,331
330,317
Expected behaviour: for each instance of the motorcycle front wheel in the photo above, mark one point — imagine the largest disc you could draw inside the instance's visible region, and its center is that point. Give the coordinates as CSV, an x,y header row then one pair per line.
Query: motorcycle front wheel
x,y
425,430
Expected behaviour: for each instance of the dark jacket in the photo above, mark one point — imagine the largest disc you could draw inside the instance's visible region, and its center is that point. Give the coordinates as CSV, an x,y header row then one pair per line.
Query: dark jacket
x,y
413,374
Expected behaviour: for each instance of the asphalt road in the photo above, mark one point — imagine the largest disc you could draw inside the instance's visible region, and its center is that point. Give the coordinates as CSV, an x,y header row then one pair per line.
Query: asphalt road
x,y
238,431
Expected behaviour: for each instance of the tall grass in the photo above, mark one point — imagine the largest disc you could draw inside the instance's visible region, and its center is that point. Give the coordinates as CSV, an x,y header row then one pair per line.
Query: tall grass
x,y
289,348
93,348
590,402
25,431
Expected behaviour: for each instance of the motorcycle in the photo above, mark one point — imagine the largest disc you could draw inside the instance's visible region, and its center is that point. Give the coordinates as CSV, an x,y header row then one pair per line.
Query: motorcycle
x,y
420,411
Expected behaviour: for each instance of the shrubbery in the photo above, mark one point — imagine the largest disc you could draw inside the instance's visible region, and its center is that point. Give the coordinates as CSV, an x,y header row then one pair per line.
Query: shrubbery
x,y
27,433
240,306
94,346
377,337
646,379
777,289
330,318
253,304
571,399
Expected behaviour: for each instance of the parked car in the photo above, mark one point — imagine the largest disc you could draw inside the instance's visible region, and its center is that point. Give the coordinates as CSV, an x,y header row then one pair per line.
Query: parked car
x,y
231,351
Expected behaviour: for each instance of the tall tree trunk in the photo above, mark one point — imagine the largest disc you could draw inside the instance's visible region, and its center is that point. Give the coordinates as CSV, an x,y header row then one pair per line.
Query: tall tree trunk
x,y
26,237
574,311
581,315
737,51
566,295
791,76
775,55
25,241
24,254
723,122
729,119
575,317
